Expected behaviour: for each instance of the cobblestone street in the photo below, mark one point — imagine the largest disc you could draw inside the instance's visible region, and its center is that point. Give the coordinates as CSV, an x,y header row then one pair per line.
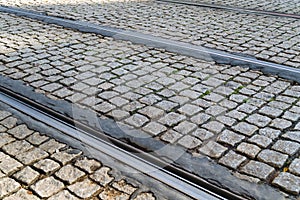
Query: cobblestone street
x,y
268,38
35,166
242,119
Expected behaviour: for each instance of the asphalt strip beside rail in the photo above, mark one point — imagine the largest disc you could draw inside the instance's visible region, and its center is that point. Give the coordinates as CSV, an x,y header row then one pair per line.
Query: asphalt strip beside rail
x,y
169,45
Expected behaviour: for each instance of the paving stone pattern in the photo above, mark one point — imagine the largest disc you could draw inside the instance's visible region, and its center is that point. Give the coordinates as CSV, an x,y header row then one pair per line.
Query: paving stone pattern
x,y
265,37
215,110
43,174
289,6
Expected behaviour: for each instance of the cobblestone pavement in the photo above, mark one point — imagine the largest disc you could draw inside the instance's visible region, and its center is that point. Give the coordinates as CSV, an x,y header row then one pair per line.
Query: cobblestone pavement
x,y
289,6
34,166
268,38
244,120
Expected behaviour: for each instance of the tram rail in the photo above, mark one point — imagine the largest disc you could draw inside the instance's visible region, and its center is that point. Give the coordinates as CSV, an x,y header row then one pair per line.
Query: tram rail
x,y
176,178
232,8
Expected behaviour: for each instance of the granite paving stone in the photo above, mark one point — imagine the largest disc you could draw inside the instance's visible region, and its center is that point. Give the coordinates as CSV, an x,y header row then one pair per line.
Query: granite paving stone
x,y
171,136
22,194
47,187
288,182
8,185
154,128
84,189
245,128
111,193
189,142
88,165
292,135
273,158
69,174
295,167
47,166
232,160
260,140
258,169
213,149
287,147
27,175
230,138
102,176
250,150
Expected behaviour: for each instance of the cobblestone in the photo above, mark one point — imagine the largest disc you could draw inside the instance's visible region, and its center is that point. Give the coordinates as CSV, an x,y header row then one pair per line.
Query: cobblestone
x,y
248,149
272,157
122,74
47,187
84,189
287,147
258,169
213,149
8,186
232,160
27,175
288,182
229,137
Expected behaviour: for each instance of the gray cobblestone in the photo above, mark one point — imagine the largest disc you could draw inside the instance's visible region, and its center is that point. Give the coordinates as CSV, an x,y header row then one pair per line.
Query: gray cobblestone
x,y
250,150
102,176
32,156
269,132
20,131
22,194
213,149
52,146
295,167
66,156
260,140
47,187
189,142
137,120
245,128
288,182
287,147
272,157
154,128
229,137
69,174
214,126
84,189
280,123
258,120
27,175
292,135
47,166
17,147
7,186
232,160
171,136
258,169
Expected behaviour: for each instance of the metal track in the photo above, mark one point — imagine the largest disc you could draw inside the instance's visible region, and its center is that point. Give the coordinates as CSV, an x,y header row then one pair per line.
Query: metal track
x,y
231,8
176,178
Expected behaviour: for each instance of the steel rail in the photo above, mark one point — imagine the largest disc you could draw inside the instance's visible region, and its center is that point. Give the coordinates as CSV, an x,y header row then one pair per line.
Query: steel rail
x,y
176,178
232,8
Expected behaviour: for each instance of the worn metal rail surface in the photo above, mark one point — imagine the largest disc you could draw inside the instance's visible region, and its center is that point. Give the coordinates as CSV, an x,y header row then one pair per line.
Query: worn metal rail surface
x,y
172,176
232,8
